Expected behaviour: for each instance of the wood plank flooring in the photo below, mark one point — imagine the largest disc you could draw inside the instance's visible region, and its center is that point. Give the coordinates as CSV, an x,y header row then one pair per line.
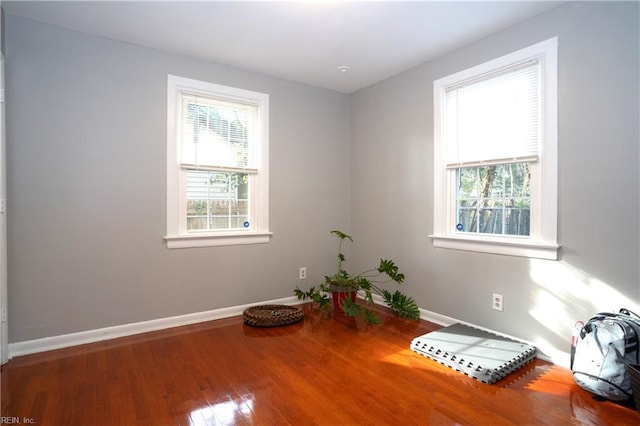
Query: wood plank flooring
x,y
322,371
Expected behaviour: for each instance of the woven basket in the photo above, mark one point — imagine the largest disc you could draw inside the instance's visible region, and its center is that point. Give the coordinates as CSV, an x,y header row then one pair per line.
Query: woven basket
x,y
272,315
634,374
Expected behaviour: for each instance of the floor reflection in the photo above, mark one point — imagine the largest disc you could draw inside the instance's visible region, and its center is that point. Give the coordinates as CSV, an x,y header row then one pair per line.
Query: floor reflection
x,y
225,413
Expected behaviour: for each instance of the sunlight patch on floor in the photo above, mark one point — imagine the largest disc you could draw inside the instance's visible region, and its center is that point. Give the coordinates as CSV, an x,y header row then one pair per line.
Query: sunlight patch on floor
x,y
546,383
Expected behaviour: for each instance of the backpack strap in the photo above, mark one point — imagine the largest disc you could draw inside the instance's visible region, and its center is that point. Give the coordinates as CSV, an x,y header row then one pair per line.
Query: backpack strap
x,y
630,338
598,378
577,333
626,311
629,324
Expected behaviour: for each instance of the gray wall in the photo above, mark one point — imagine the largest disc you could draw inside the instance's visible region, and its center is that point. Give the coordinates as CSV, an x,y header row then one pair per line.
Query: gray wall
x,y
392,175
86,131
86,187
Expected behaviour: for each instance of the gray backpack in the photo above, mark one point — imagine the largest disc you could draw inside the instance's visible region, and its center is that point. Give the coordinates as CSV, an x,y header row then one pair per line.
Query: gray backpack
x,y
606,344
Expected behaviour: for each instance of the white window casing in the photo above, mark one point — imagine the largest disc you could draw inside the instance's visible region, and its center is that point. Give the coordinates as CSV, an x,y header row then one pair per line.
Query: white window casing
x,y
184,159
540,151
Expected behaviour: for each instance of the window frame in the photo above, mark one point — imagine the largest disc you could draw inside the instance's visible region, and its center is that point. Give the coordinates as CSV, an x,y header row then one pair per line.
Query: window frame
x,y
542,241
176,232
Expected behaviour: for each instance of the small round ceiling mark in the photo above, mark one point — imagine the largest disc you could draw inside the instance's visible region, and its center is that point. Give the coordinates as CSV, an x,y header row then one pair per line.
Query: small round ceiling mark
x,y
344,68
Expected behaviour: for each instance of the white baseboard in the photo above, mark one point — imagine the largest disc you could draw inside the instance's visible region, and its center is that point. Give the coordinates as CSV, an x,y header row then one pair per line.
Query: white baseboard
x,y
557,357
91,336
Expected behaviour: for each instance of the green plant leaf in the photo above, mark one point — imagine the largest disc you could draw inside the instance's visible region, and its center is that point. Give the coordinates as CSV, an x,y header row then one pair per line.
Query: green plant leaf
x,y
323,302
364,283
402,304
341,235
367,282
350,308
370,317
317,295
301,295
344,274
389,267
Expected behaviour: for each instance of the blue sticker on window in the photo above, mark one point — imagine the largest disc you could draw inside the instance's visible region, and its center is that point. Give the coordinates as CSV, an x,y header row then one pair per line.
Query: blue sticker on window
x,y
246,224
459,227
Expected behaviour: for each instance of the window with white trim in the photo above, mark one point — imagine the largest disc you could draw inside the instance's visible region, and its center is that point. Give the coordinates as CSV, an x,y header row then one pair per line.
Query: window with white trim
x,y
217,165
495,155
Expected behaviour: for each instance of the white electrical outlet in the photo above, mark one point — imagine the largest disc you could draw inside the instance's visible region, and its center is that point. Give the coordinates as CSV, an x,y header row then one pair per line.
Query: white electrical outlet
x,y
303,273
497,303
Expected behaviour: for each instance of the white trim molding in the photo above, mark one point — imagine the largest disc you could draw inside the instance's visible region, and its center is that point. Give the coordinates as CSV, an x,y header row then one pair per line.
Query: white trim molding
x,y
256,229
543,239
546,354
107,333
489,244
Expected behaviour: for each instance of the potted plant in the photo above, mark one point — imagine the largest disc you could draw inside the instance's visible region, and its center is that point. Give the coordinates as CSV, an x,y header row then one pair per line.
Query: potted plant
x,y
343,287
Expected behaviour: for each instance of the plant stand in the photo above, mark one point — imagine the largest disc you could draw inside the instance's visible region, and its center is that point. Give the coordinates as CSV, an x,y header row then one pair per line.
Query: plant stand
x,y
339,295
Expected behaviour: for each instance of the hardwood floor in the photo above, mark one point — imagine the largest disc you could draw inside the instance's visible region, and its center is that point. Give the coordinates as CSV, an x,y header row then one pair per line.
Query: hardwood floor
x,y
322,371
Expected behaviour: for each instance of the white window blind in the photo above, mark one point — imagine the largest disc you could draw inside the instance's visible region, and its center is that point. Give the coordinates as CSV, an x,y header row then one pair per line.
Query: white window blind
x,y
494,118
216,135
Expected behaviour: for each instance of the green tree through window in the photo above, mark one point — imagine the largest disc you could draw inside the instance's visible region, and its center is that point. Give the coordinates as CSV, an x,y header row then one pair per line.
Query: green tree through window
x,y
494,199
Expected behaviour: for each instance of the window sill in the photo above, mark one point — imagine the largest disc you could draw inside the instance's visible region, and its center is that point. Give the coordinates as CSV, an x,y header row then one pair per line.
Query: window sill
x,y
215,240
521,248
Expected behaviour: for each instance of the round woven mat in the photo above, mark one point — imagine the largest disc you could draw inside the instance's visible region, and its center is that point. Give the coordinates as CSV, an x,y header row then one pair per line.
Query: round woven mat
x,y
272,315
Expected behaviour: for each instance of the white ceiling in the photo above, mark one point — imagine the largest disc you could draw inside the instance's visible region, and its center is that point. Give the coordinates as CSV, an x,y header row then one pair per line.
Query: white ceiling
x,y
303,41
